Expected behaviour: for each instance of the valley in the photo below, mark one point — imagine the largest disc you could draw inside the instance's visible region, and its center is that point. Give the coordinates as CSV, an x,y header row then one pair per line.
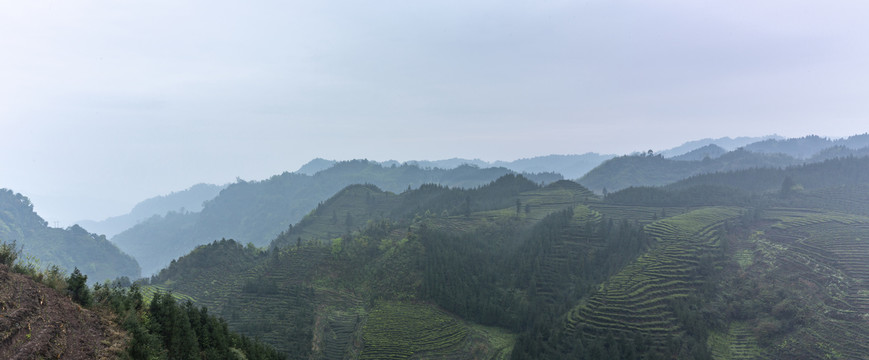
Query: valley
x,y
751,263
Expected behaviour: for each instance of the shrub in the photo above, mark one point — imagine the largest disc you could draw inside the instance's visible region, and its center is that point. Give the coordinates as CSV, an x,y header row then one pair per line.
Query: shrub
x,y
8,253
77,288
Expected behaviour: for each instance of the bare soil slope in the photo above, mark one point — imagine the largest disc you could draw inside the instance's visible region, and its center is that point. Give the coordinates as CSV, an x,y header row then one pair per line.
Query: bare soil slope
x,y
38,322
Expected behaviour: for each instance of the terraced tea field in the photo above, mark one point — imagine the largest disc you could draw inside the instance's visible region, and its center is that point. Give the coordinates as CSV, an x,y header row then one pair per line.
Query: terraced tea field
x,y
270,300
739,343
400,331
643,214
535,205
827,254
566,255
148,292
637,298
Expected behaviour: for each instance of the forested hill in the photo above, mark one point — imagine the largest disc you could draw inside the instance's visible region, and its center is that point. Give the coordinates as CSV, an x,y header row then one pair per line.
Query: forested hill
x,y
834,173
257,211
517,270
709,151
68,248
727,143
655,170
808,146
186,200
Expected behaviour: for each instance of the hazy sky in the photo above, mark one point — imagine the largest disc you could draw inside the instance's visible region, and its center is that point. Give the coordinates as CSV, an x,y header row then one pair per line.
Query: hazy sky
x,y
105,103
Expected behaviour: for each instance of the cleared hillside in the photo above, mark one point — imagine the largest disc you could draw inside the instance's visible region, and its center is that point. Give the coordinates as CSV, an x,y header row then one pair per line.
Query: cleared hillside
x,y
38,322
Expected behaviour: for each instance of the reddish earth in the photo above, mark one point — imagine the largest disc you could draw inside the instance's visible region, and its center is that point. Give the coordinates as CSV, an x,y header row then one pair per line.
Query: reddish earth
x,y
38,322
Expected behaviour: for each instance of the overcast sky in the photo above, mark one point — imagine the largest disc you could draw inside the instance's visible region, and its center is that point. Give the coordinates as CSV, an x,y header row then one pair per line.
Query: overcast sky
x,y
105,103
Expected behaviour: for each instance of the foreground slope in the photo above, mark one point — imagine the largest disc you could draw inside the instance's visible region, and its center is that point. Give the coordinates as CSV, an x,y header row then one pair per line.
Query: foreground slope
x,y
39,323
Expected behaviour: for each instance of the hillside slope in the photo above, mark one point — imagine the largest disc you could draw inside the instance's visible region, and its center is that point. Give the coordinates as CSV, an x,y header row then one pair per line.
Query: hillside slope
x,y
849,171
39,323
517,270
68,248
655,170
258,211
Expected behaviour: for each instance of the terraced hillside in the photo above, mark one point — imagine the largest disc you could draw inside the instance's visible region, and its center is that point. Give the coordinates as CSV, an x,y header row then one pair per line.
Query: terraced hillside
x,y
264,295
641,214
825,255
638,298
552,272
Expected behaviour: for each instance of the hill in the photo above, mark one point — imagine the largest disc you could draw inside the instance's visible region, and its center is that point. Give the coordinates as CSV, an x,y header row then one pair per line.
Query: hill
x,y
655,170
838,172
839,152
257,211
806,147
181,201
40,323
68,248
727,143
711,151
47,314
513,269
329,290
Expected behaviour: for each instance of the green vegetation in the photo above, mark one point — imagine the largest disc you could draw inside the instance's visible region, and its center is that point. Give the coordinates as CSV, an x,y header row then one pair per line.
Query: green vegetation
x,y
258,211
655,170
517,270
68,248
158,329
400,331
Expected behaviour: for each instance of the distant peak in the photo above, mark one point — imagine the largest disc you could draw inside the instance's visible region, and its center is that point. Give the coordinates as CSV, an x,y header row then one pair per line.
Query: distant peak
x,y
316,165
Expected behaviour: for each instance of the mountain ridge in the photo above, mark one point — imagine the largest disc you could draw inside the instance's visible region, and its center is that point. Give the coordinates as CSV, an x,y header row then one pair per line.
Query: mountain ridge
x,y
68,248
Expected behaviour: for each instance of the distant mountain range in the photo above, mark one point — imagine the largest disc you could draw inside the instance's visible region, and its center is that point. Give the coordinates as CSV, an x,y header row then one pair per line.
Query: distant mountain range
x,y
810,148
258,211
725,143
570,166
657,170
183,221
180,201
